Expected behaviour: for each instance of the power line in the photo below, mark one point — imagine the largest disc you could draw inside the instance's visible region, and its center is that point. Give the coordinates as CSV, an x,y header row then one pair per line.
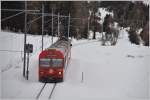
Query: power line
x,y
18,10
54,15
50,20
11,16
34,20
47,14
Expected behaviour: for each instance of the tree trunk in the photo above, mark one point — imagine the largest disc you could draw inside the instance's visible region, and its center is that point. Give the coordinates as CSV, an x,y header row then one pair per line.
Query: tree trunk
x,y
94,30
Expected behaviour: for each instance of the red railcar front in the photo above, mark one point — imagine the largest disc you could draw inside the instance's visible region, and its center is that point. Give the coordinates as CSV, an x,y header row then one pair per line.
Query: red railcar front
x,y
53,60
51,66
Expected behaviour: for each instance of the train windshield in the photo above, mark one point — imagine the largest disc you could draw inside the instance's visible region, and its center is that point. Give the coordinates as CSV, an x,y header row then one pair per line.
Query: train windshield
x,y
57,62
45,62
51,62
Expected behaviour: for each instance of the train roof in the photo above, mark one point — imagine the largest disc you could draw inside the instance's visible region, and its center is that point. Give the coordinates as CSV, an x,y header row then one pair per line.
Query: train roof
x,y
61,45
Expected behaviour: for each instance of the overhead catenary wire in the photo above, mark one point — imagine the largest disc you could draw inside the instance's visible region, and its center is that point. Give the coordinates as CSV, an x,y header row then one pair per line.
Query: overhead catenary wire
x,y
47,14
18,10
34,20
54,15
38,18
12,16
29,12
49,21
29,23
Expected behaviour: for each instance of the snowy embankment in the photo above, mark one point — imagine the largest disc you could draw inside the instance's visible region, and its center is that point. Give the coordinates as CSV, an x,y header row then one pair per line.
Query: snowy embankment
x,y
11,63
94,72
118,72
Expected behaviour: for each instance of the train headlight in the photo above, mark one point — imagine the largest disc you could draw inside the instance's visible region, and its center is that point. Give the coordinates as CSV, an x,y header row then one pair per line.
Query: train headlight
x,y
59,73
51,70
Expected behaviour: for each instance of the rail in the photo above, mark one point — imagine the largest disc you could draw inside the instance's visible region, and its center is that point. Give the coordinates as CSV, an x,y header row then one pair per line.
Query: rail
x,y
42,89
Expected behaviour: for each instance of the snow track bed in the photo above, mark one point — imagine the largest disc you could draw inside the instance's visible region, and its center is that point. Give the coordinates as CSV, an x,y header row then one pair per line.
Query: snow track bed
x,y
46,91
95,72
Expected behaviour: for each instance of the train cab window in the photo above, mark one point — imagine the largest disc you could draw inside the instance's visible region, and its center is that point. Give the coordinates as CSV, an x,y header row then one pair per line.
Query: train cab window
x,y
57,62
44,62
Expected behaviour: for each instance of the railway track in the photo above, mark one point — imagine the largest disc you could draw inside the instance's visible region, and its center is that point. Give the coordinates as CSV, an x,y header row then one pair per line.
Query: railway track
x,y
52,91
46,91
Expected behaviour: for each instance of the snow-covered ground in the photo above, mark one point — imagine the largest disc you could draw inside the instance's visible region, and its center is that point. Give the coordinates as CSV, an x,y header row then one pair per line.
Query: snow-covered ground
x,y
11,58
94,72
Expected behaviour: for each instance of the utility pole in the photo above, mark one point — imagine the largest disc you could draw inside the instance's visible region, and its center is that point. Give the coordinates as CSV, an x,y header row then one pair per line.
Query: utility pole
x,y
88,25
68,25
25,38
27,71
58,25
29,49
102,31
42,24
52,25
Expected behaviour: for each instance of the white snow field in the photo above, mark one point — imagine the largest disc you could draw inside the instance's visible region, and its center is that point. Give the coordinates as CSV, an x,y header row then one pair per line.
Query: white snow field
x,y
94,72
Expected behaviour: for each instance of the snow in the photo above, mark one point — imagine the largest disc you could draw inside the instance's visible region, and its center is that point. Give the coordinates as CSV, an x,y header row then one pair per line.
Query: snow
x,y
139,31
94,72
146,2
0,84
46,92
102,12
98,35
13,42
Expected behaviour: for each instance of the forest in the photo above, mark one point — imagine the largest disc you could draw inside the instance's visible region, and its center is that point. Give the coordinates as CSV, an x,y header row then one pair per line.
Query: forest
x,y
83,17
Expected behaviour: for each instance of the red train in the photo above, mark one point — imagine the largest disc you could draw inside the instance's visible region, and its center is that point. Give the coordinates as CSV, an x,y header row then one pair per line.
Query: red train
x,y
54,60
